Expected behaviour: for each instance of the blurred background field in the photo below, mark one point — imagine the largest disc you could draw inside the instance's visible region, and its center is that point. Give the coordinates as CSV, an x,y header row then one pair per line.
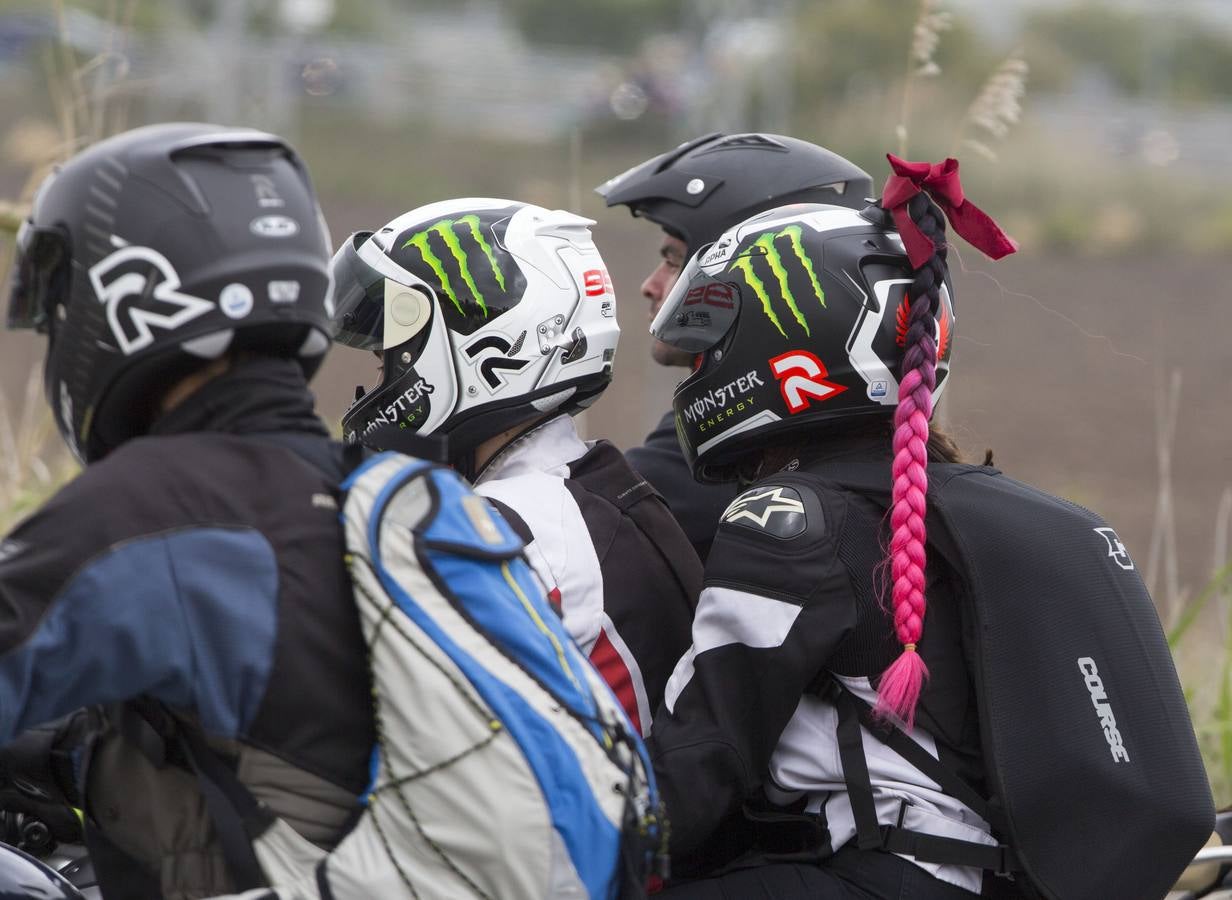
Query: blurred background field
x,y
1095,362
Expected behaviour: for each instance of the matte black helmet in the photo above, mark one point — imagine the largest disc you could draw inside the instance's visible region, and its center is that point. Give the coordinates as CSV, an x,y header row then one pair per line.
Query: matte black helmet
x,y
157,250
707,185
798,315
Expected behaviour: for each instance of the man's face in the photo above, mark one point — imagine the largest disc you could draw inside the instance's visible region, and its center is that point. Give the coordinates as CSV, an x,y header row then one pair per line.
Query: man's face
x,y
658,284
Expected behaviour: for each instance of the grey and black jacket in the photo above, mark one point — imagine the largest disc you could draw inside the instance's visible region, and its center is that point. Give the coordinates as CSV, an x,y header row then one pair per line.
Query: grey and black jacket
x,y
793,600
199,570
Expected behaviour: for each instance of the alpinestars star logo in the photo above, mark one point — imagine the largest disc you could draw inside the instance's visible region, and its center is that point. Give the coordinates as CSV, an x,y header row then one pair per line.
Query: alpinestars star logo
x,y
1116,550
447,233
769,247
128,274
777,510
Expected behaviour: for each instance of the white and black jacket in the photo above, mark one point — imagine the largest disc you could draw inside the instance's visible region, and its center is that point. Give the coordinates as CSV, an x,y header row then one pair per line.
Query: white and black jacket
x,y
790,599
608,551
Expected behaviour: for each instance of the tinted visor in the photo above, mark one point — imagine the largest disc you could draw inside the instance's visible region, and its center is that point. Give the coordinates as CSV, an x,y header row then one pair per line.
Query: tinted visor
x,y
39,264
359,294
699,311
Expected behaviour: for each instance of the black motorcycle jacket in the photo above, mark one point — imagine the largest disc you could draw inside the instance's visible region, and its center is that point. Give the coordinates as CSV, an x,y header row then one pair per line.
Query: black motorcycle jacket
x,y
602,542
199,568
793,599
695,506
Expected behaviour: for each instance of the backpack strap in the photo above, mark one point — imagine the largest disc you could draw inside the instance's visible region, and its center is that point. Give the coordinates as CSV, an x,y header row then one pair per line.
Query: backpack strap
x,y
854,711
238,818
516,522
872,480
604,472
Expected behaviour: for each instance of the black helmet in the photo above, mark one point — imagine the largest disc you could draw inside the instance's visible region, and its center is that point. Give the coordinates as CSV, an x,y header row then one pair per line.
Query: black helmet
x,y
798,315
486,313
159,249
23,877
707,185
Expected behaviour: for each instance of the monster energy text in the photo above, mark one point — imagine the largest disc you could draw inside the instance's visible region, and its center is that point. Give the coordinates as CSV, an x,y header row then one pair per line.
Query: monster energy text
x,y
445,230
724,402
396,412
767,246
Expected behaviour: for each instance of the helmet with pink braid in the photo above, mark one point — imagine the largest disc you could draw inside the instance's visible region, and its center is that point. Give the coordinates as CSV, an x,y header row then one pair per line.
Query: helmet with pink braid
x,y
798,315
810,313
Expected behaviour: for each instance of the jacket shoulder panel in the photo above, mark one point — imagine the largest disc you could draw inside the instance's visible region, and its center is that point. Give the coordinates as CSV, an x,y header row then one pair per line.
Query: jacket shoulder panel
x,y
778,538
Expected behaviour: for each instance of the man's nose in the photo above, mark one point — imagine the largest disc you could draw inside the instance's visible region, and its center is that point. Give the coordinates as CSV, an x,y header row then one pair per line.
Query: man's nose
x,y
652,287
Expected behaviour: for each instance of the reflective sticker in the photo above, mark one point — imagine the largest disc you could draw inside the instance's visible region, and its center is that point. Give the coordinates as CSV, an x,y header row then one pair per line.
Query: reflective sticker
x,y
235,300
274,227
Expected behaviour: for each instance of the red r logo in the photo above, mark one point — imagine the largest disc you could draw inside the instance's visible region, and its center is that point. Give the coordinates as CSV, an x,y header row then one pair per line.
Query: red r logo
x,y
802,379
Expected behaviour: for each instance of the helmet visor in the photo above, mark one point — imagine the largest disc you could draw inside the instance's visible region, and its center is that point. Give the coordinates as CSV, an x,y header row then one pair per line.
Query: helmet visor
x,y
700,309
41,257
359,296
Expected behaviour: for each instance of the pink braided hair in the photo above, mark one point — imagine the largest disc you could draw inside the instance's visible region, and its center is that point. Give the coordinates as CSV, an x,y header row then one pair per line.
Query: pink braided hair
x,y
922,226
902,682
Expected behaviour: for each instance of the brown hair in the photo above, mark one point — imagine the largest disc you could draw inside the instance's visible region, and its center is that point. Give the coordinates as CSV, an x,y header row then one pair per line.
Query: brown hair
x,y
941,447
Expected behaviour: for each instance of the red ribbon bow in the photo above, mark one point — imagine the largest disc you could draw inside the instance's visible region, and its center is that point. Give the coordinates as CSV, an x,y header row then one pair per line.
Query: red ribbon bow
x,y
939,181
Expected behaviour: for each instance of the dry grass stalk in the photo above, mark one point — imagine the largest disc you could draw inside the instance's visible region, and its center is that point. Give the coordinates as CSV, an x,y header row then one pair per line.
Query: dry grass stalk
x,y
996,108
1223,550
925,37
31,466
1163,550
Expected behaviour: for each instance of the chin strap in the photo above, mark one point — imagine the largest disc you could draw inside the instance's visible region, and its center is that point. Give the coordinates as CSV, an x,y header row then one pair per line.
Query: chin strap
x,y
430,447
465,466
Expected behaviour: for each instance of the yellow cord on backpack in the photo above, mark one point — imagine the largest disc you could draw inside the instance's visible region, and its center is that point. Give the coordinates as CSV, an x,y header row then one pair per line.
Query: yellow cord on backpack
x,y
542,626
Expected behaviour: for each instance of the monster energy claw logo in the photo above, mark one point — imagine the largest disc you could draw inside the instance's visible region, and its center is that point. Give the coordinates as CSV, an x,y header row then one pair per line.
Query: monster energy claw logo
x,y
768,246
445,229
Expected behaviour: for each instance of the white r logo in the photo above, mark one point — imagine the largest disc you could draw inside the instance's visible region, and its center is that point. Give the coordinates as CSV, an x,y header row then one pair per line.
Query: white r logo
x,y
127,273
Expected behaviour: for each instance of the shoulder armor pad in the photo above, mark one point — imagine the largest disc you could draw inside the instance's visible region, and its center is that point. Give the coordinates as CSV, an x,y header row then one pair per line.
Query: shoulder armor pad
x,y
774,538
776,510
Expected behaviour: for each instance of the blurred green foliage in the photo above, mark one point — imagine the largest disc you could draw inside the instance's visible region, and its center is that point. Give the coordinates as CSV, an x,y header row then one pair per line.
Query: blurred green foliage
x,y
1165,53
1212,715
845,49
612,26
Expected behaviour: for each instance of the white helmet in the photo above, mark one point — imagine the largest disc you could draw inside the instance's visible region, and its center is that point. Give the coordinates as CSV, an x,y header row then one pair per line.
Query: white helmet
x,y
486,313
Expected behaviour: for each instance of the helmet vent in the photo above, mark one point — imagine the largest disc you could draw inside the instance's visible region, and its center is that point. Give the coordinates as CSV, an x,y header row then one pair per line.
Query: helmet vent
x,y
741,141
552,401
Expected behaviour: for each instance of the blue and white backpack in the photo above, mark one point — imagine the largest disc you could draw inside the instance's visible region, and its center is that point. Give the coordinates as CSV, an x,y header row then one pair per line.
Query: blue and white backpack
x,y
504,765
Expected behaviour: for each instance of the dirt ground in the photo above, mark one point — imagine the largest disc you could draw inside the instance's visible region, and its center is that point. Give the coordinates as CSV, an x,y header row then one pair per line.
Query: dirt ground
x,y
1057,364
